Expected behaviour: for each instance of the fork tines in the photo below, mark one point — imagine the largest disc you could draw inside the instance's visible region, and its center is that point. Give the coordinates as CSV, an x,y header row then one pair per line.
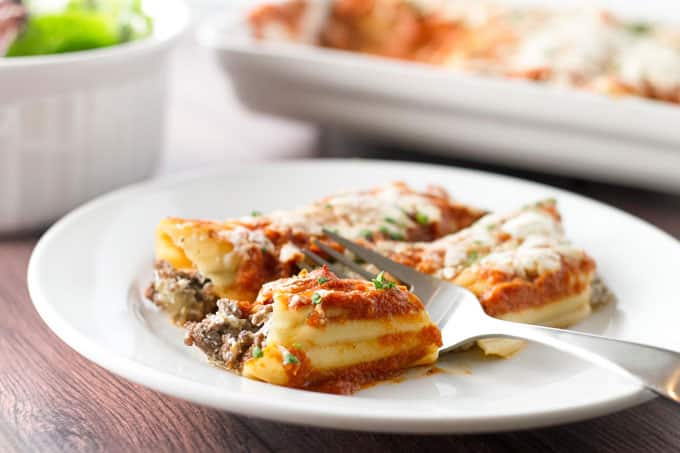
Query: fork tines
x,y
401,272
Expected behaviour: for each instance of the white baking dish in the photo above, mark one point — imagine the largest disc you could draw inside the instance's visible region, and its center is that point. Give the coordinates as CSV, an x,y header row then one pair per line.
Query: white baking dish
x,y
629,140
75,125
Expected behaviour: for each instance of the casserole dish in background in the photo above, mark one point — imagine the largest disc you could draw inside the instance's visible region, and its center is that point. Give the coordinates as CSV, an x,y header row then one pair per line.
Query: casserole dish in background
x,y
75,125
630,140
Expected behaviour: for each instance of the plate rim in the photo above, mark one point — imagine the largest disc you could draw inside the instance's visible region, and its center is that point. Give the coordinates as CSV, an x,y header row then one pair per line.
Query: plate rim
x,y
340,418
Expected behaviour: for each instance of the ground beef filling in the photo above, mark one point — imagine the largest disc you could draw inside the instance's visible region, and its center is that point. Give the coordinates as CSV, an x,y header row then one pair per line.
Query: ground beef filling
x,y
185,294
229,336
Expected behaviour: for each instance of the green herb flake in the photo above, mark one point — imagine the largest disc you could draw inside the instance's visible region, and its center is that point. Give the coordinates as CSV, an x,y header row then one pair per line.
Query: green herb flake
x,y
257,352
264,249
255,213
472,256
316,299
638,28
397,236
290,359
297,345
422,219
381,283
366,234
491,226
329,206
322,280
391,220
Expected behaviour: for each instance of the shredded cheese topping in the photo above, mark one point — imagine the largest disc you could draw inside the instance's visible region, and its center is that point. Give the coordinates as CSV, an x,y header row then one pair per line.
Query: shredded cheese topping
x,y
352,214
526,242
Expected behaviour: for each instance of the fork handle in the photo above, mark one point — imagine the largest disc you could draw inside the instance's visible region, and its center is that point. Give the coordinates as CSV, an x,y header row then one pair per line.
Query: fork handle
x,y
657,369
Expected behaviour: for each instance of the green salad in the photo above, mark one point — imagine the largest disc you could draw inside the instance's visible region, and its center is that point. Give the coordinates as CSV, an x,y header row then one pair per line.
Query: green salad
x,y
79,25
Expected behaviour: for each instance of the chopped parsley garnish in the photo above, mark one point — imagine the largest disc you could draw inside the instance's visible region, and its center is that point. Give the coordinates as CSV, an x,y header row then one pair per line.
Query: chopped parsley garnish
x,y
255,213
322,280
380,283
264,249
297,345
316,299
390,220
289,358
638,28
422,219
542,203
367,234
478,243
391,234
472,256
329,206
257,352
491,226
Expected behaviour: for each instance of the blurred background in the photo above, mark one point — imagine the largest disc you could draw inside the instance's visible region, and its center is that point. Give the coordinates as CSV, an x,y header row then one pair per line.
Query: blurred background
x,y
49,129
205,119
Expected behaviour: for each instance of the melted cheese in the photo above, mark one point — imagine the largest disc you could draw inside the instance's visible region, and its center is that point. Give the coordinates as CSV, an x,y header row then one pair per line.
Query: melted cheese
x,y
521,243
581,42
243,239
651,61
585,46
532,223
354,213
523,261
290,253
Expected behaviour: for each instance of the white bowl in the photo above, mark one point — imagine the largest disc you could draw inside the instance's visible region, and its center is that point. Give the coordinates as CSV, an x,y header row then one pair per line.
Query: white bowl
x,y
78,124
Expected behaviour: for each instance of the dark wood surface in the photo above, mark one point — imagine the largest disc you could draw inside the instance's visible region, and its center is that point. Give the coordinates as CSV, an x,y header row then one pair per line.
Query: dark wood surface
x,y
52,399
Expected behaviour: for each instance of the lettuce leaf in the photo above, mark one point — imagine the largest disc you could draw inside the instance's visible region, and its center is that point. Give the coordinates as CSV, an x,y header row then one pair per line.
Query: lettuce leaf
x,y
82,25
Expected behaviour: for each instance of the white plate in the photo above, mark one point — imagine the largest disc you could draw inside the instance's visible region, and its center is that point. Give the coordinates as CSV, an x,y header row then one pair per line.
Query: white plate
x,y
631,140
87,273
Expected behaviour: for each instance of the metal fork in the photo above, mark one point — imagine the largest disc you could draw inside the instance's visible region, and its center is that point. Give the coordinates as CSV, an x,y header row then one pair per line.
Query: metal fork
x,y
462,321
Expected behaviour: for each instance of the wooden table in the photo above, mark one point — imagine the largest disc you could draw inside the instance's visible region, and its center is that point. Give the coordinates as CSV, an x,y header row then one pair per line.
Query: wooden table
x,y
52,399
